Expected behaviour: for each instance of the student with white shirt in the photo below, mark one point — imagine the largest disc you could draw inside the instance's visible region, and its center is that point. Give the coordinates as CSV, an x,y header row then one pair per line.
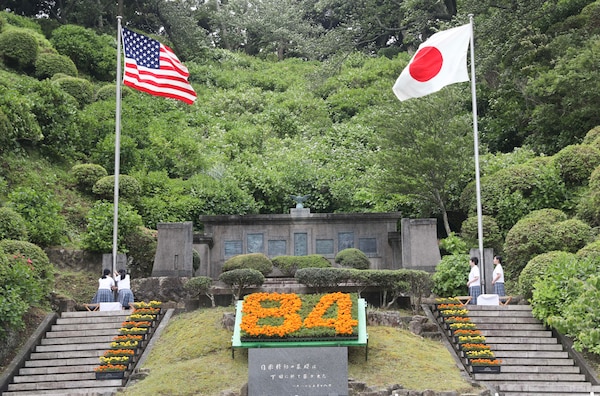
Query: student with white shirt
x,y
474,282
498,277
105,289
125,296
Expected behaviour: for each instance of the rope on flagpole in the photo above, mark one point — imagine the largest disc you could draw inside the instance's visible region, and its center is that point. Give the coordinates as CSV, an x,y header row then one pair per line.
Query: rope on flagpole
x,y
476,149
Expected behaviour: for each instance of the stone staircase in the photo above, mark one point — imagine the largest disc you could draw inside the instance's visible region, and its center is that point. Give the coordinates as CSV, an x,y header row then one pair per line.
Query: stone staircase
x,y
63,363
534,361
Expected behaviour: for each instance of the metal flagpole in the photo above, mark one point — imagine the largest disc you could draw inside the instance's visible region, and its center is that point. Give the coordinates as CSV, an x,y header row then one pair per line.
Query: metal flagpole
x,y
476,146
117,142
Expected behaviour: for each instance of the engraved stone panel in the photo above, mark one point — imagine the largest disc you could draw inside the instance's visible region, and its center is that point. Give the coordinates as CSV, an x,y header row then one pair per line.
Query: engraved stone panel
x,y
233,248
277,248
300,244
367,245
324,246
255,243
345,240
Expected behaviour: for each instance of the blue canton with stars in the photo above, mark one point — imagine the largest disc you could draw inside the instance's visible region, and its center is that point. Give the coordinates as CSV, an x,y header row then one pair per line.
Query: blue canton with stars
x,y
144,50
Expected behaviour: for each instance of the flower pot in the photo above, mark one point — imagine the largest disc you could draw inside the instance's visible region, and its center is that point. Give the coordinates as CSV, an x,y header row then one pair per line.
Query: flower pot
x,y
108,375
485,369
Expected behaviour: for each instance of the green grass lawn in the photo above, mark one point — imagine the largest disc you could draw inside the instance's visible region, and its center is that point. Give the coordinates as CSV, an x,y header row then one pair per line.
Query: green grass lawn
x,y
193,357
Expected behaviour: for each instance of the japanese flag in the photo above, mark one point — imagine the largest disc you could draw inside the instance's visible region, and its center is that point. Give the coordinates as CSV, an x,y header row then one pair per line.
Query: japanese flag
x,y
439,61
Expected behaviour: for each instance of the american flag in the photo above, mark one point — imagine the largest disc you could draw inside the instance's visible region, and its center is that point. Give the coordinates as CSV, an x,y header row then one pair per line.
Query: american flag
x,y
153,68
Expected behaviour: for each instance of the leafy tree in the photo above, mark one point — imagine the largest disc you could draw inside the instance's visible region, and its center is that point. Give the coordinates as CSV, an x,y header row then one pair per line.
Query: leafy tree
x,y
450,276
240,279
99,233
200,285
426,155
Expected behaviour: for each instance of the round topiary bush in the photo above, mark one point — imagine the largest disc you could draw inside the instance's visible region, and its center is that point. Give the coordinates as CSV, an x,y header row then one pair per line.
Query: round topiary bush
x,y
86,175
288,265
589,251
240,278
352,258
532,235
34,256
256,261
82,90
19,48
129,187
536,269
572,235
49,64
197,286
576,163
12,225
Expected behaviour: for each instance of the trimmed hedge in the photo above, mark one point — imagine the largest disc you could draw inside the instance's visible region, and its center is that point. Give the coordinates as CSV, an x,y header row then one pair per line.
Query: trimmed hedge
x,y
19,48
290,264
12,225
536,269
86,175
129,187
255,261
352,258
49,64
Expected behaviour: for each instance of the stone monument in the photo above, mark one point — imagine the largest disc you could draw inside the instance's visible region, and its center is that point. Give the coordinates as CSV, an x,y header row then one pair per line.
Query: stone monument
x,y
174,250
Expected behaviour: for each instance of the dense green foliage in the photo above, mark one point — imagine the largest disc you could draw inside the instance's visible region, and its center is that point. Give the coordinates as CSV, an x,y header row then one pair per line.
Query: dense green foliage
x,y
288,265
241,278
352,258
537,267
255,261
450,277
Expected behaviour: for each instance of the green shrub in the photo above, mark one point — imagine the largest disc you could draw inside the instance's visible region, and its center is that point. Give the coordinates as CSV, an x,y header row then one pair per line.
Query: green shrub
x,y
561,284
532,235
588,208
322,279
141,248
576,163
98,236
12,225
19,48
352,258
86,175
129,187
450,276
42,214
591,251
82,90
255,261
536,269
290,264
197,286
34,257
572,235
591,135
453,244
19,289
49,64
492,237
240,279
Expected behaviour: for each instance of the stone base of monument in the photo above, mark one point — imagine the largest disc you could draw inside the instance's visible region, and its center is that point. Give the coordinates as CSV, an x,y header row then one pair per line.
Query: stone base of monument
x,y
302,371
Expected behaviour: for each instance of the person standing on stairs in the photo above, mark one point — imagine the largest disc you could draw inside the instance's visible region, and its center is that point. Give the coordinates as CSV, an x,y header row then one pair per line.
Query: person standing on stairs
x,y
498,277
474,282
125,296
105,288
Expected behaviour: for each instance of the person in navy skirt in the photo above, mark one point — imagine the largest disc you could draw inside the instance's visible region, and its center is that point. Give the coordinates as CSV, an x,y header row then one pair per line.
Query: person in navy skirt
x,y
498,277
125,296
105,289
474,282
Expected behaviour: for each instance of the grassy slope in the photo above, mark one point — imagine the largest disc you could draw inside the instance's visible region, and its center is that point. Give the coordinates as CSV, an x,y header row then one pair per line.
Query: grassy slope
x,y
193,357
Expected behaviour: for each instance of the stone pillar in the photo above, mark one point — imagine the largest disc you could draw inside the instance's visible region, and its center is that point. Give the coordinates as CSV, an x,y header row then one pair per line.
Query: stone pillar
x,y
420,249
174,250
107,261
486,268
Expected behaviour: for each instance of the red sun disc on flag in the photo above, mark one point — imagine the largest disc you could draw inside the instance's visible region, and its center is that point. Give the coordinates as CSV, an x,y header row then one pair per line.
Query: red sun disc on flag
x,y
426,64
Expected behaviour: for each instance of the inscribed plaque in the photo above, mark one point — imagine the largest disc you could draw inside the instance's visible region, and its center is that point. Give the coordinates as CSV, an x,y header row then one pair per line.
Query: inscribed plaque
x,y
367,245
324,246
255,243
233,248
277,248
309,371
345,240
300,244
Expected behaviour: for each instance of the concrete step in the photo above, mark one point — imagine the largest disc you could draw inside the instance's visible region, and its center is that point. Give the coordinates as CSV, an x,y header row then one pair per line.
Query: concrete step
x,y
94,314
108,338
526,347
532,354
91,319
81,376
510,326
98,391
541,387
90,326
527,377
80,368
67,354
504,319
503,308
519,361
520,340
499,313
72,347
82,333
51,385
540,369
63,362
517,333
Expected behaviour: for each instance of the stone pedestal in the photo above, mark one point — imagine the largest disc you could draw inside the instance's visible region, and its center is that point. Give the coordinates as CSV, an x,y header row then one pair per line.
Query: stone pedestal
x,y
174,250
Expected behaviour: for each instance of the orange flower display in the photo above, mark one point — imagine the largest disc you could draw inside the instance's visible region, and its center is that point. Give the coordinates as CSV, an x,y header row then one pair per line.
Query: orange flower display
x,y
276,315
343,323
